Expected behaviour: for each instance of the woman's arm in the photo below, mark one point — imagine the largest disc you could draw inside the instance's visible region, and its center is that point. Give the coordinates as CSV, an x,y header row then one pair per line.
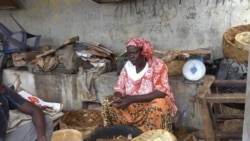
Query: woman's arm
x,y
148,97
125,101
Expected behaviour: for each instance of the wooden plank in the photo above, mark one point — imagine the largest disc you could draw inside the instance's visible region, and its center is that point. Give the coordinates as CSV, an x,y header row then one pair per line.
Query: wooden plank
x,y
227,116
203,108
100,48
67,42
246,125
197,51
226,98
108,1
208,81
234,83
8,4
228,135
206,119
219,135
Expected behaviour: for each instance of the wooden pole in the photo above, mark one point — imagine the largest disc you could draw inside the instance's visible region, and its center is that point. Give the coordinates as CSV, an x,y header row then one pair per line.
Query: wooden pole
x,y
203,107
246,125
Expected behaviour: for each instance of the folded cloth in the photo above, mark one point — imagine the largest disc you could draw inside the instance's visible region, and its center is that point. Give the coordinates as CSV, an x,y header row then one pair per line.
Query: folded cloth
x,y
16,119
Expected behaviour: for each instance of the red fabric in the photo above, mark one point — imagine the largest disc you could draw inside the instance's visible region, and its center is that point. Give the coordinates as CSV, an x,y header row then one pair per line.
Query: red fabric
x,y
147,48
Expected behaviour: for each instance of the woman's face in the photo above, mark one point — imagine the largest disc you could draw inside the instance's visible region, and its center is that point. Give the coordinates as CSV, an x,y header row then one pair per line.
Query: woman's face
x,y
134,55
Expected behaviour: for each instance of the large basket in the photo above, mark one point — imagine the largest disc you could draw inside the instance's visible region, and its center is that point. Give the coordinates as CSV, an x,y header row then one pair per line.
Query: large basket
x,y
85,121
232,50
170,59
175,67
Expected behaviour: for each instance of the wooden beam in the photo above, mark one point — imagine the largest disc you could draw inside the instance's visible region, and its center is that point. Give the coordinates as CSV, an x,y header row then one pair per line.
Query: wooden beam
x,y
234,83
226,98
246,125
219,135
203,108
228,135
208,81
8,4
110,1
227,116
197,51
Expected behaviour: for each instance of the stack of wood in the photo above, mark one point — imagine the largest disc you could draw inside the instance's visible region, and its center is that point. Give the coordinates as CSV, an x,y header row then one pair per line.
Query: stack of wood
x,y
97,55
47,59
99,50
44,58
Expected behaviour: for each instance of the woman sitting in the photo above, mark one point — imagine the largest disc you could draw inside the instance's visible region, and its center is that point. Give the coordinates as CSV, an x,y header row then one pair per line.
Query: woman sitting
x,y
142,97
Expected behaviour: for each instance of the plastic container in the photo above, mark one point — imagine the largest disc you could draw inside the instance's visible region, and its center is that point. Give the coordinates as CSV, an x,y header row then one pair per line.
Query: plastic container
x,y
181,125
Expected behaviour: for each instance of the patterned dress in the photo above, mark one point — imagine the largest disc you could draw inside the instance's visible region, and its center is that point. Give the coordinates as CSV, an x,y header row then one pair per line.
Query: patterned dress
x,y
155,114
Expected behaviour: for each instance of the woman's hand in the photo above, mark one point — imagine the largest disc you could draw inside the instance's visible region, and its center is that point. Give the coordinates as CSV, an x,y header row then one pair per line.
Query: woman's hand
x,y
122,102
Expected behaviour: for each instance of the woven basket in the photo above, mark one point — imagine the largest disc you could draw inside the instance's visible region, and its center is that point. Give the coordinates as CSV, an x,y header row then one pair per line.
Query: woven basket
x,y
85,121
175,67
67,135
230,49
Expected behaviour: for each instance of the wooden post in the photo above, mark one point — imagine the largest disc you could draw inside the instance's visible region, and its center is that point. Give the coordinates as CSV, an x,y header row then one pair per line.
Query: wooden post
x,y
246,128
203,107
